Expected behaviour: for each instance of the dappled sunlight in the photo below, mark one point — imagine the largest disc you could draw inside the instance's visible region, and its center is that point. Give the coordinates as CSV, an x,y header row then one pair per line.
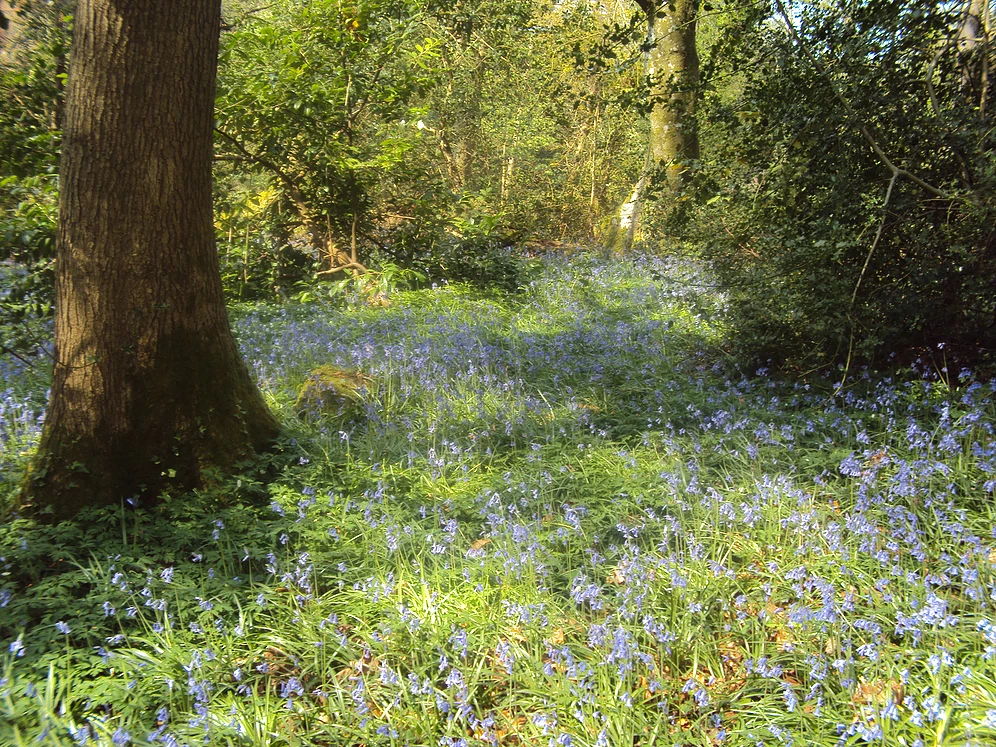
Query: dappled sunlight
x,y
558,517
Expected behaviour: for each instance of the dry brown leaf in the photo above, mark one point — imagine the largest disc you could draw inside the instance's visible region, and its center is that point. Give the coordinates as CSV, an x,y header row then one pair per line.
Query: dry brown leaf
x,y
785,640
616,578
877,692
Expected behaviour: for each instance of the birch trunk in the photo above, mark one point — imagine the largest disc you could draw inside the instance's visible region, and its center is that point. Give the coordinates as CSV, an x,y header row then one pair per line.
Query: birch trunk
x,y
975,54
674,64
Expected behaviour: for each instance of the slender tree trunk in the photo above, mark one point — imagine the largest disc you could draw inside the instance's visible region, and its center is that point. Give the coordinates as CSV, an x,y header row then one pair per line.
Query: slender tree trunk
x,y
623,231
975,54
148,388
7,23
672,65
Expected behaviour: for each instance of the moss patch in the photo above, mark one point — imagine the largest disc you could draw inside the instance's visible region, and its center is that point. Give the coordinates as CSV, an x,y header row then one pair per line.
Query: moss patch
x,y
341,393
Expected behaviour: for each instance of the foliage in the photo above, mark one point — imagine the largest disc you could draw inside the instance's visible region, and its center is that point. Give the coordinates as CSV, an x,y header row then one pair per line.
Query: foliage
x,y
466,250
32,78
259,258
313,95
517,128
27,238
564,520
483,261
487,122
793,196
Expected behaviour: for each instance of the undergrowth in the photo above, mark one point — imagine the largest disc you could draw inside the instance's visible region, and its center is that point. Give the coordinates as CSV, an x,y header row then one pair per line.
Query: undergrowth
x,y
564,518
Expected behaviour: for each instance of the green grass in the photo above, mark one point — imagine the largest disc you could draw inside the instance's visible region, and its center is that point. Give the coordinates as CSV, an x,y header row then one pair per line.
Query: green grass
x,y
563,518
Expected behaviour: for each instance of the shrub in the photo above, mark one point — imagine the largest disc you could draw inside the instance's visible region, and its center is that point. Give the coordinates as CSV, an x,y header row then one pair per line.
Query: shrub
x,y
27,248
796,198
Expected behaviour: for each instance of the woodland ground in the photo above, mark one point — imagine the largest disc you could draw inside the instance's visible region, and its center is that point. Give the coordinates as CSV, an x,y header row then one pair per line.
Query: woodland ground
x,y
564,517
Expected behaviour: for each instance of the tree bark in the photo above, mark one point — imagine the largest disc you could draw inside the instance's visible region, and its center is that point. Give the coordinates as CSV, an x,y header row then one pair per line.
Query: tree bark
x,y
674,65
149,389
671,63
7,25
974,53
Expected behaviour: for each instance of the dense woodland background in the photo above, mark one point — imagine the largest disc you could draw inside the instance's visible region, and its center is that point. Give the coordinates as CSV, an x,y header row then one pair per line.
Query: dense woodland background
x,y
428,142
588,374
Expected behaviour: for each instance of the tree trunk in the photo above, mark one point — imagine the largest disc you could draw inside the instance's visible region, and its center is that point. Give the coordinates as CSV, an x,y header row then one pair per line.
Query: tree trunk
x,y
671,62
148,389
975,53
674,65
7,24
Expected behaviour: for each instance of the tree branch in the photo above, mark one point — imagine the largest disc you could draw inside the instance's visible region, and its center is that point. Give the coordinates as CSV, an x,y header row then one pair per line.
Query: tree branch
x,y
858,122
4,349
226,26
348,266
878,235
293,190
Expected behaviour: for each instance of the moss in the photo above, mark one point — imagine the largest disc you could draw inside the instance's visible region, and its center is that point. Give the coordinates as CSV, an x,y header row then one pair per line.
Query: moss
x,y
341,393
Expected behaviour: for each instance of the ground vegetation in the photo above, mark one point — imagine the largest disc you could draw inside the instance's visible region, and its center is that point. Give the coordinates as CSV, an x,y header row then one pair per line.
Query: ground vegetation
x,y
729,482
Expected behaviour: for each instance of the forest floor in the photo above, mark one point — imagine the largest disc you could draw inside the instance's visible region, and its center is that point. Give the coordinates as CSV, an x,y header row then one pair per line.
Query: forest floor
x,y
560,518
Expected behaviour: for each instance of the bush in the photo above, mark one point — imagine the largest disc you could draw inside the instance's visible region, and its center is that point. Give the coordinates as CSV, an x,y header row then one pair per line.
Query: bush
x,y
471,251
27,270
796,196
481,262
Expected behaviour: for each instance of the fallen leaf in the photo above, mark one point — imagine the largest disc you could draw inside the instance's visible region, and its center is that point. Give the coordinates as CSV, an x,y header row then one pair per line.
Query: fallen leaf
x,y
616,578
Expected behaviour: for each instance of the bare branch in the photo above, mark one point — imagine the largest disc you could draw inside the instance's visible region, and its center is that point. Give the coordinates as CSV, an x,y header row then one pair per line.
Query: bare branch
x,y
348,266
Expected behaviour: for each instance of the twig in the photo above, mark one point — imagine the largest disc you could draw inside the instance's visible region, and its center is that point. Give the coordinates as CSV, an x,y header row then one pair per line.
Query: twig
x,y
878,235
861,277
743,247
226,26
8,351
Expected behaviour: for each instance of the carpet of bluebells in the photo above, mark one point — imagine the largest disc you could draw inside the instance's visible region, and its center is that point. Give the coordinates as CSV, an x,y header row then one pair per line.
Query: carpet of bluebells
x,y
560,518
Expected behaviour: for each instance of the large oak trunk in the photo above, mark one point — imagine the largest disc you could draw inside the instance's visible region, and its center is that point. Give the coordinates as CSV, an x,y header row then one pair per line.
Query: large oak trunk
x,y
149,388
